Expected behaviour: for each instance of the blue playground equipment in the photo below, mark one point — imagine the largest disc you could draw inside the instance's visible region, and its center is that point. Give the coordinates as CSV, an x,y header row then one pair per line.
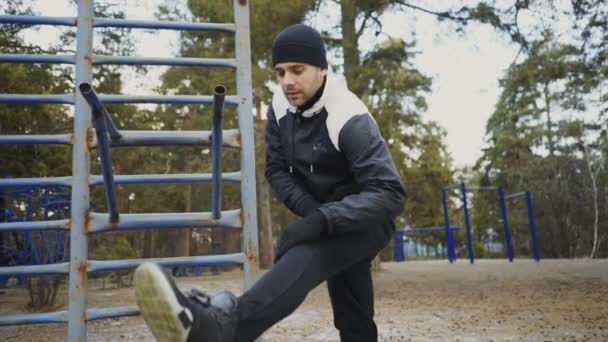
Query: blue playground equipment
x,y
51,246
89,112
399,254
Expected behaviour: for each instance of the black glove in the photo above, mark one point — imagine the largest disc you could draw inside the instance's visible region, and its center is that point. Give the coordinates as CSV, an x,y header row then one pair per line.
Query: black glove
x,y
306,229
340,192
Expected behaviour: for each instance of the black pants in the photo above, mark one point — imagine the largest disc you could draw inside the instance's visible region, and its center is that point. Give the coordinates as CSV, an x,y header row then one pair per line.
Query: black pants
x,y
343,261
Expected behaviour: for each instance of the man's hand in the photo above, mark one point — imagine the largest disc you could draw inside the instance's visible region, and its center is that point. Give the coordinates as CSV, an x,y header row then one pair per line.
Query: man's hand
x,y
306,229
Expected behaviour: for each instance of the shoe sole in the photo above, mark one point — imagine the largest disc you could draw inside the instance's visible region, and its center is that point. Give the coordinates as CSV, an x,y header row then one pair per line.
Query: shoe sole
x,y
158,304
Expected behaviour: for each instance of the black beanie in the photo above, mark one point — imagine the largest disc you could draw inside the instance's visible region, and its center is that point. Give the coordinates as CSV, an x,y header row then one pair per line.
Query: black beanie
x,y
299,43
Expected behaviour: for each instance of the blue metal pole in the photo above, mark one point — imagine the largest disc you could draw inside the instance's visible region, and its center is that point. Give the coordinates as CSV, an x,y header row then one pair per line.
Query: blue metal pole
x,y
448,232
103,148
99,109
216,151
77,319
505,222
532,226
467,221
244,91
398,252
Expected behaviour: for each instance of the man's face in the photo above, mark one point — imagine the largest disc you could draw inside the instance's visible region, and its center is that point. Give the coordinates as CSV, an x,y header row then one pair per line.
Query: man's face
x,y
299,81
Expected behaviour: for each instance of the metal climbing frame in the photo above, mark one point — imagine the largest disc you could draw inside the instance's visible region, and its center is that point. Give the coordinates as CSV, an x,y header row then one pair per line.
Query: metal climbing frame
x,y
83,221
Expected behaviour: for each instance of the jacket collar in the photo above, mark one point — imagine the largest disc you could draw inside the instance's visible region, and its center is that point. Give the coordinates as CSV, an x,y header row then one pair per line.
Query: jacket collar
x,y
281,104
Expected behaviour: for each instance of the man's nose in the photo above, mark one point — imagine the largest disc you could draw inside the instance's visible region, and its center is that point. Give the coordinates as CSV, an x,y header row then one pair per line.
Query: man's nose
x,y
288,79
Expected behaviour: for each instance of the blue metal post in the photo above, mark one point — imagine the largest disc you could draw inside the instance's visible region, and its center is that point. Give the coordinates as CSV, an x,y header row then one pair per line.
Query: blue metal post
x,y
77,319
467,221
398,251
532,226
216,151
448,232
505,222
103,147
244,91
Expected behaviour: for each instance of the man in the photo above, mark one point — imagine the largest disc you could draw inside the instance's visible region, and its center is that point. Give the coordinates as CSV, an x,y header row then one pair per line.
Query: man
x,y
328,163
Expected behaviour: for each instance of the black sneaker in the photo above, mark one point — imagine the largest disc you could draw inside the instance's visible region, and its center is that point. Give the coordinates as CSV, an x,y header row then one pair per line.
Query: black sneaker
x,y
174,316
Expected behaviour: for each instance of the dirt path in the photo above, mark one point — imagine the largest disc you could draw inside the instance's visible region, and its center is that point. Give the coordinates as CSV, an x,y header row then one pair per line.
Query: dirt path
x,y
416,301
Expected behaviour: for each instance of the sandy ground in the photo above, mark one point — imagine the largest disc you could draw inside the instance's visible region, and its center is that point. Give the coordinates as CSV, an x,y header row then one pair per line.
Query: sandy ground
x,y
555,300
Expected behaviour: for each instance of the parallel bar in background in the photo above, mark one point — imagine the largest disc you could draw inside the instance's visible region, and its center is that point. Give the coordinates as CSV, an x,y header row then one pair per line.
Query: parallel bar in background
x,y
34,225
448,232
164,25
231,219
181,61
166,99
505,223
37,20
518,194
116,265
45,139
42,58
532,224
244,90
37,98
482,188
453,186
467,222
216,151
231,138
426,229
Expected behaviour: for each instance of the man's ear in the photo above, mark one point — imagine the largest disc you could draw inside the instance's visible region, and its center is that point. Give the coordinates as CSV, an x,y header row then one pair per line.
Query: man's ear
x,y
323,72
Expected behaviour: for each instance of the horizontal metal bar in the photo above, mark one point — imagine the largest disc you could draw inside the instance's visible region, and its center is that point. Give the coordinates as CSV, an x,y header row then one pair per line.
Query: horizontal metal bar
x,y
45,139
164,25
94,314
427,229
61,268
34,225
234,177
231,138
181,61
230,219
483,188
62,316
517,194
42,58
453,186
124,23
37,20
35,318
41,181
37,98
115,265
164,178
165,99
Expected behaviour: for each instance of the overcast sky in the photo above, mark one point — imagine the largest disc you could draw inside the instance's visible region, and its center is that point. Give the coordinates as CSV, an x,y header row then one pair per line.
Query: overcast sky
x,y
465,71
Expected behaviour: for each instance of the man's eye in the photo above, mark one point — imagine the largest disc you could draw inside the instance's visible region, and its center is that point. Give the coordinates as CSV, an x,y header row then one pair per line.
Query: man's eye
x,y
298,71
281,73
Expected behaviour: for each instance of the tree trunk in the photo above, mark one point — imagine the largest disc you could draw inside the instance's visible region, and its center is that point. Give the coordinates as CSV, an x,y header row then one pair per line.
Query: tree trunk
x,y
183,240
265,227
350,50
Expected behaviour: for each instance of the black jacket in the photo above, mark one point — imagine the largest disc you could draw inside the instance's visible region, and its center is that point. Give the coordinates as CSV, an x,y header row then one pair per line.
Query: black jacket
x,y
332,157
